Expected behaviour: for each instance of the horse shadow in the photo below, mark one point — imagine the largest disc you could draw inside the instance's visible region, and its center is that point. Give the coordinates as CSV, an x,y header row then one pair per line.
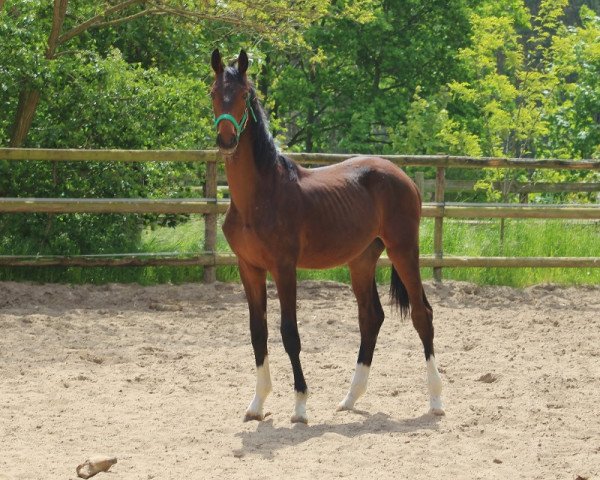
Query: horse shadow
x,y
267,438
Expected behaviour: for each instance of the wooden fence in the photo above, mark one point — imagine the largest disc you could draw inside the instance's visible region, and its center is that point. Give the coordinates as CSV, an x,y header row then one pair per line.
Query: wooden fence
x,y
211,207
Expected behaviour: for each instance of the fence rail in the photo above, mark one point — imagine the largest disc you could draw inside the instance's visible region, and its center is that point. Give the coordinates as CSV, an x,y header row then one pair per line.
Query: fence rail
x,y
214,206
223,259
111,205
74,155
211,207
516,187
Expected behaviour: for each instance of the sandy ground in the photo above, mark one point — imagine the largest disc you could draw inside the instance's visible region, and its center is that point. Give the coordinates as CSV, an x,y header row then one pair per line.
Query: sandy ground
x,y
160,377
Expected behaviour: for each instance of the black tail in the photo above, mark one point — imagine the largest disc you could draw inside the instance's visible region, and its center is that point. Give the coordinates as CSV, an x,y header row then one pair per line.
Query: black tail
x,y
398,294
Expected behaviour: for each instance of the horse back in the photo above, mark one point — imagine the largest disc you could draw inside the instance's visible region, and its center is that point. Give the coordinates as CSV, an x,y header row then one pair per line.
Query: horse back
x,y
344,207
360,183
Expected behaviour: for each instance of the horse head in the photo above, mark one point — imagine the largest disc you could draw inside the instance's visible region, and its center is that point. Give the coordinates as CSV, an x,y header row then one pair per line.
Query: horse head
x,y
231,98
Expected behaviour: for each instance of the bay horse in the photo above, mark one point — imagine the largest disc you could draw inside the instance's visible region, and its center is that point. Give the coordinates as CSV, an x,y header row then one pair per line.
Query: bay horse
x,y
283,217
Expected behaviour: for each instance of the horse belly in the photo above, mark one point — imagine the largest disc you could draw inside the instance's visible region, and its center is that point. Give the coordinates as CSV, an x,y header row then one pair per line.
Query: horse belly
x,y
339,223
329,259
335,244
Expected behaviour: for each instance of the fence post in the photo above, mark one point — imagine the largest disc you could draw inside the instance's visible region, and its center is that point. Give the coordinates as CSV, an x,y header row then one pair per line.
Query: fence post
x,y
210,221
438,248
420,183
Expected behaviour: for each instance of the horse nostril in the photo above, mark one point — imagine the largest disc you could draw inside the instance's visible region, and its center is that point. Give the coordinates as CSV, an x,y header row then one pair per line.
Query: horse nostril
x,y
226,145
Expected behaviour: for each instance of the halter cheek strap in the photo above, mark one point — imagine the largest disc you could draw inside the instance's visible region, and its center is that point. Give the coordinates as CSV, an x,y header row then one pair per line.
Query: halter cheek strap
x,y
241,125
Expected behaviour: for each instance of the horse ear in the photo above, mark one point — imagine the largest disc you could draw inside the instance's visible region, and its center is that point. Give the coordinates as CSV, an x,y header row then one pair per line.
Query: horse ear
x,y
243,62
217,62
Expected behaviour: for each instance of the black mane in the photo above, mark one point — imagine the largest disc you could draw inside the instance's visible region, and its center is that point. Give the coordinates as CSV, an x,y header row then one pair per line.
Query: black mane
x,y
265,151
266,155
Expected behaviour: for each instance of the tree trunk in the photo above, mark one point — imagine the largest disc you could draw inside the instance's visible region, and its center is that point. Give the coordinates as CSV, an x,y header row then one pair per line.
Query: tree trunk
x,y
310,119
29,98
28,102
310,115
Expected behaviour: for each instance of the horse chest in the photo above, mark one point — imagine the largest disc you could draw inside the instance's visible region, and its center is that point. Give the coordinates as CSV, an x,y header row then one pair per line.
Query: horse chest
x,y
250,238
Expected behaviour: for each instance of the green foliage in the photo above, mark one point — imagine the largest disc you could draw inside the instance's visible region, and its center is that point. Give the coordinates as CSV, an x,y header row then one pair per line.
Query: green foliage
x,y
534,92
111,104
115,104
429,130
366,60
529,89
574,117
22,62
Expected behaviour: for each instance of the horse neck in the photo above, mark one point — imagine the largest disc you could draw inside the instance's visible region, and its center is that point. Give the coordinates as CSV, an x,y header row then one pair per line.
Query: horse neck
x,y
246,183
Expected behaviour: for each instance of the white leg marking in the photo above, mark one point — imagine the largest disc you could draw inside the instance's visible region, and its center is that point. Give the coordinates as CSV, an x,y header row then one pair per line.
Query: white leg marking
x,y
300,409
434,385
357,388
263,388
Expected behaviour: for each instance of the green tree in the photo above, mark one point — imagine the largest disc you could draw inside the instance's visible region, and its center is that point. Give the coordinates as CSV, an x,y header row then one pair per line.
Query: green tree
x,y
529,89
429,130
41,35
122,74
363,64
574,113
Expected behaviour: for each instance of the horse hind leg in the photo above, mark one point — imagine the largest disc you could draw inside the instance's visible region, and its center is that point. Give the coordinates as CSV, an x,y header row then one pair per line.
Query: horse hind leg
x,y
406,263
370,318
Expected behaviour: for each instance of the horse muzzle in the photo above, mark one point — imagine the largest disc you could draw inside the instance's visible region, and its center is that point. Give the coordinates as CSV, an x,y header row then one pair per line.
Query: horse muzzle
x,y
227,147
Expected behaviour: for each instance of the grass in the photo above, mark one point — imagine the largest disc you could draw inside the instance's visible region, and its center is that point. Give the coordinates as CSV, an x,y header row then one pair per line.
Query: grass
x,y
522,238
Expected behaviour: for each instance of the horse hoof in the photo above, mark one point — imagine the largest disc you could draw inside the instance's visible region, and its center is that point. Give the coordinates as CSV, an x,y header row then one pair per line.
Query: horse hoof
x,y
347,403
436,406
300,419
251,416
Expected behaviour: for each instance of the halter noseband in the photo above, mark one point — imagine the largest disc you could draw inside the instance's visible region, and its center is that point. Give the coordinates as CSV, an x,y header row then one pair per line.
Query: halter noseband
x,y
241,126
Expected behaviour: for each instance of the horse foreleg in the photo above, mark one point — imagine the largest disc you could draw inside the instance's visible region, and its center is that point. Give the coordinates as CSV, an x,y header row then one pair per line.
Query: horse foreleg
x,y
370,319
254,281
285,279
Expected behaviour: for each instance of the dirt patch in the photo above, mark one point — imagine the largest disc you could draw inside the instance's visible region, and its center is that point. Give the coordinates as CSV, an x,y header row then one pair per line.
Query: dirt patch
x,y
160,377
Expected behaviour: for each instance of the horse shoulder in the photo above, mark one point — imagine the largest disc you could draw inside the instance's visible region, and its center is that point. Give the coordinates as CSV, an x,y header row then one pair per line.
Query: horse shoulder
x,y
231,224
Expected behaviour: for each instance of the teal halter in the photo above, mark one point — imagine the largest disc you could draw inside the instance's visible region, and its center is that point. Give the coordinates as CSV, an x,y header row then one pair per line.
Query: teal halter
x,y
241,126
